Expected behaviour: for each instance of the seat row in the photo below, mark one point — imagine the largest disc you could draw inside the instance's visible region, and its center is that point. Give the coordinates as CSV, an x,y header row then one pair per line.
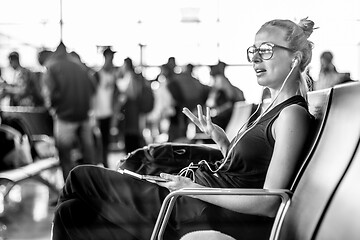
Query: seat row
x,y
36,123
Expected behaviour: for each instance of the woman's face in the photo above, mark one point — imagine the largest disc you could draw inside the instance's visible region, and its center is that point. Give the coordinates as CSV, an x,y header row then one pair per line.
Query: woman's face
x,y
272,72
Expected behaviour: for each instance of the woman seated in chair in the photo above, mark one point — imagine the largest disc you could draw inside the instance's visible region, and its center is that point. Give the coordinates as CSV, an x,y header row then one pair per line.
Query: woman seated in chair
x,y
98,203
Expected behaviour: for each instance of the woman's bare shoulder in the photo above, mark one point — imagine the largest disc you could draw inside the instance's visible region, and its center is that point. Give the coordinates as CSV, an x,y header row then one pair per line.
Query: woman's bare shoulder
x,y
294,112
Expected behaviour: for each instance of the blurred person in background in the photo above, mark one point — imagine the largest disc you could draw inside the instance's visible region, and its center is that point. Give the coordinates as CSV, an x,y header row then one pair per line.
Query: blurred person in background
x,y
223,95
188,92
24,88
76,56
137,100
3,84
177,90
177,121
194,91
70,90
163,106
105,99
42,57
329,76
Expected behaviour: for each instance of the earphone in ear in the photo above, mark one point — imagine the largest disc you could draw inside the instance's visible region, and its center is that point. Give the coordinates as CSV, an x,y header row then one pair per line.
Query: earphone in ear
x,y
295,62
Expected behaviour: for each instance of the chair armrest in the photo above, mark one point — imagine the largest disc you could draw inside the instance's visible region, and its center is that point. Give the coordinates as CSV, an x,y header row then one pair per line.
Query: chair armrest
x,y
169,202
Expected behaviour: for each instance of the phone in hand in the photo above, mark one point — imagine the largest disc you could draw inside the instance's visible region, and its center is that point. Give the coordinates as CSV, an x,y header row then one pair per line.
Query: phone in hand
x,y
150,178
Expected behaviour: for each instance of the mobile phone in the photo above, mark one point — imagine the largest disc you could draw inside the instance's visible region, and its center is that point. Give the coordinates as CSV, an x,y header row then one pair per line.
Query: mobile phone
x,y
150,178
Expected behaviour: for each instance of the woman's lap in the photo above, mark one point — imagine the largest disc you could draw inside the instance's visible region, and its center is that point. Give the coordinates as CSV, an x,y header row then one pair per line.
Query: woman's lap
x,y
126,202
206,235
77,220
120,204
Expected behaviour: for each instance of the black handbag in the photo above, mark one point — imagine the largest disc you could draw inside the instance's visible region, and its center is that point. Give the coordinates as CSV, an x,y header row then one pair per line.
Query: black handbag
x,y
170,158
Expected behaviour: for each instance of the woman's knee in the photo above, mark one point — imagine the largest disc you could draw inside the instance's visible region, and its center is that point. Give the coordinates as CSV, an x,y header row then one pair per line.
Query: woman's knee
x,y
64,213
75,218
77,179
87,180
84,171
206,235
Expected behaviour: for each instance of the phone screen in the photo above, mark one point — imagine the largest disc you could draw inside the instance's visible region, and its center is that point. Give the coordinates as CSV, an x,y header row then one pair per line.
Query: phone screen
x,y
151,178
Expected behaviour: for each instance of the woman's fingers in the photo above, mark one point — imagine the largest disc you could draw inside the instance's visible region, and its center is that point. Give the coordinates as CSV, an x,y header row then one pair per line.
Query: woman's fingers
x,y
189,114
202,121
201,115
192,117
208,117
167,176
175,182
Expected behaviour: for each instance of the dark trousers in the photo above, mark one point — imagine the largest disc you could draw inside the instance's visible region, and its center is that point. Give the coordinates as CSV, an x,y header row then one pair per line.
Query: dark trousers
x,y
101,204
104,126
97,203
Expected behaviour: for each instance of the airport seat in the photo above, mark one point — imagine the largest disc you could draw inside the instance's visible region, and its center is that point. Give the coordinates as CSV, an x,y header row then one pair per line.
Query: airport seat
x,y
36,119
32,169
37,125
305,205
329,164
342,217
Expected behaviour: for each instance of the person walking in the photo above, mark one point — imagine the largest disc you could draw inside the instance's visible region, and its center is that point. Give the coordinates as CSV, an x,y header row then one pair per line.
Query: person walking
x,y
105,99
70,90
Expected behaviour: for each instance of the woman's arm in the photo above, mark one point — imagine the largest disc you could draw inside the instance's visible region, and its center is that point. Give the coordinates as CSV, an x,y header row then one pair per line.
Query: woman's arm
x,y
258,205
205,124
290,131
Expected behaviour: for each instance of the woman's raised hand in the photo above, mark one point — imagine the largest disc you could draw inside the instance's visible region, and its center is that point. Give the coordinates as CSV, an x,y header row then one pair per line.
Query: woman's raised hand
x,y
208,127
203,122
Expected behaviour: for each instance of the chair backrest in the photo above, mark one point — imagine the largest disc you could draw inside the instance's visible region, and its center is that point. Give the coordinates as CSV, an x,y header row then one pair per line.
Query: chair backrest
x,y
319,105
37,119
241,113
332,156
15,149
342,217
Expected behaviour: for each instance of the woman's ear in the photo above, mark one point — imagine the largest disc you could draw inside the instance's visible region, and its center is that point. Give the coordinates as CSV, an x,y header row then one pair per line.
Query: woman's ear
x,y
295,62
297,59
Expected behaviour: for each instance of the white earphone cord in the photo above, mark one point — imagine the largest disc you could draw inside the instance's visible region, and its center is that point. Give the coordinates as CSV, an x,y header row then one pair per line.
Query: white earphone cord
x,y
187,169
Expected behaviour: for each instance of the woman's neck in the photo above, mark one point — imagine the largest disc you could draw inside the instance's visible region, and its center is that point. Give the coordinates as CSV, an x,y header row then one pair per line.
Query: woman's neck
x,y
289,90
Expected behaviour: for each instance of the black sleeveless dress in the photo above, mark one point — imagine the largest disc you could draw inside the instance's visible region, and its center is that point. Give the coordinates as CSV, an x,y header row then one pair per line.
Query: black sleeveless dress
x,y
250,158
98,203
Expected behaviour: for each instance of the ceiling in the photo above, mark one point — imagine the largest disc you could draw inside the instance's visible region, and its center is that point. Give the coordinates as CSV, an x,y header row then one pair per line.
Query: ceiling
x,y
212,28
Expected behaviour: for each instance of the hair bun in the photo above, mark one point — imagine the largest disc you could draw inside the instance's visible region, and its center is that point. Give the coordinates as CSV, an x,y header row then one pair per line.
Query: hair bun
x,y
307,26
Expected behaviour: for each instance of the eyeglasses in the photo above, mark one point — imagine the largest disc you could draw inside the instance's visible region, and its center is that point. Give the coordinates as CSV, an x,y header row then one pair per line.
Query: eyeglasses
x,y
265,50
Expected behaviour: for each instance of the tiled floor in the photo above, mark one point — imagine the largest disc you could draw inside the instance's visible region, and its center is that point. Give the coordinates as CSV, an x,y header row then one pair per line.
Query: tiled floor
x,y
29,214
31,217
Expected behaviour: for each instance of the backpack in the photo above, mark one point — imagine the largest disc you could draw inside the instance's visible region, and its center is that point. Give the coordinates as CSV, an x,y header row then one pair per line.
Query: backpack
x,y
167,157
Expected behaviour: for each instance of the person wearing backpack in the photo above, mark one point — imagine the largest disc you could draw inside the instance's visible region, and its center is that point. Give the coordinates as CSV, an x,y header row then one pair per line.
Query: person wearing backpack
x,y
137,100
